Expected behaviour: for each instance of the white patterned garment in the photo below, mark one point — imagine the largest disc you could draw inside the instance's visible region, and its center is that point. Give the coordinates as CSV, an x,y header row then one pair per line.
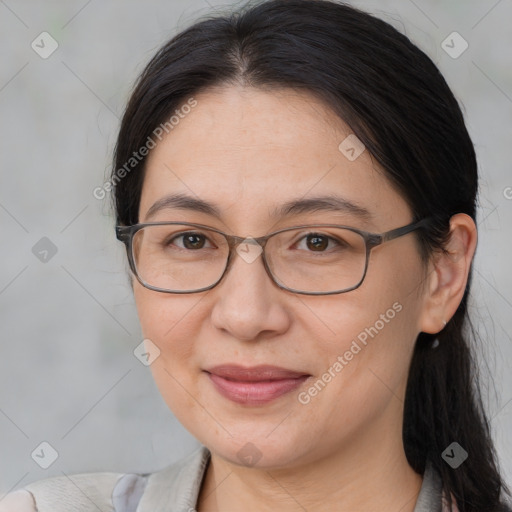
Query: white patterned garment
x,y
173,489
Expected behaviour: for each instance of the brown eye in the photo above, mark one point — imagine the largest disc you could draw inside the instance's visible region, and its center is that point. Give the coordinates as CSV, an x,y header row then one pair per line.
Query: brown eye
x,y
320,242
191,241
317,242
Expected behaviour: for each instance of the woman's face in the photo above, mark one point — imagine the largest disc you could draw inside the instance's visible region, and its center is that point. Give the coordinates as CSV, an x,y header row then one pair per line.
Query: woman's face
x,y
250,152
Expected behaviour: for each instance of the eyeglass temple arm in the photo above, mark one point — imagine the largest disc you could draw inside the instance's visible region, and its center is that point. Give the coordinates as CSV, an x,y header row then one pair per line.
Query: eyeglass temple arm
x,y
395,233
123,233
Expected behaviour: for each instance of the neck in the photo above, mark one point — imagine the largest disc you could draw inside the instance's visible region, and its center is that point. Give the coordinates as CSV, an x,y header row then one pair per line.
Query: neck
x,y
370,473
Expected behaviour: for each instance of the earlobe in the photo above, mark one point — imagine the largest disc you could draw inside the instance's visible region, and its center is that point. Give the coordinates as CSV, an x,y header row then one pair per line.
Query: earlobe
x,y
449,274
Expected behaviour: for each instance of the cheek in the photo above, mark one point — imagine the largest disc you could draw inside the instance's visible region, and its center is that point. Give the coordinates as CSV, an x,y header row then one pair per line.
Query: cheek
x,y
365,373
164,317
170,322
366,358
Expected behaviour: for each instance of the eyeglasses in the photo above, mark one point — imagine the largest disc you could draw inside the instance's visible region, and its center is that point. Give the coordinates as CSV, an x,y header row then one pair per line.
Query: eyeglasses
x,y
317,259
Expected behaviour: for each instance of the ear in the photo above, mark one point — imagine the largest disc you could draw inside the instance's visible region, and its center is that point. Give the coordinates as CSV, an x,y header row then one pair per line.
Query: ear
x,y
448,275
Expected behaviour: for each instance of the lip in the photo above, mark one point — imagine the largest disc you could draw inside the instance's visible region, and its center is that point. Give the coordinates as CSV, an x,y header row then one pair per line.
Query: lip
x,y
256,385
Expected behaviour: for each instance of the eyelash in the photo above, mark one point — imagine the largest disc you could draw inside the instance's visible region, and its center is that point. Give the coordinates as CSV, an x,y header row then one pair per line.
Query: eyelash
x,y
302,237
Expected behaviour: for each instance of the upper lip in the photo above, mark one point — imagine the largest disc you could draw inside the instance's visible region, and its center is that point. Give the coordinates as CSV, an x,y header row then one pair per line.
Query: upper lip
x,y
254,373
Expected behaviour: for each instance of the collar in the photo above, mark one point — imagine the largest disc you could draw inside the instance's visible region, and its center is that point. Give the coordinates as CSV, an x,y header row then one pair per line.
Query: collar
x,y
176,488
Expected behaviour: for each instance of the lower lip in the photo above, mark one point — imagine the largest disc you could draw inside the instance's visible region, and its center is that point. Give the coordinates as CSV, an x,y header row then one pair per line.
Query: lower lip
x,y
255,393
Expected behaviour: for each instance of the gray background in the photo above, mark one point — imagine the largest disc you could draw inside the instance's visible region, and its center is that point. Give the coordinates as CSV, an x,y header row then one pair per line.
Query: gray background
x,y
69,326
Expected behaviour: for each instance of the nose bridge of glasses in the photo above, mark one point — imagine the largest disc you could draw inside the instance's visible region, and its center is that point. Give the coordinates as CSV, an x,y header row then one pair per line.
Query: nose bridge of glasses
x,y
238,242
234,240
248,248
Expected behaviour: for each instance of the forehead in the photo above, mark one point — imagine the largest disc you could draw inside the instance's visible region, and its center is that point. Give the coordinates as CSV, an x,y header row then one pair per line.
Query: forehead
x,y
249,151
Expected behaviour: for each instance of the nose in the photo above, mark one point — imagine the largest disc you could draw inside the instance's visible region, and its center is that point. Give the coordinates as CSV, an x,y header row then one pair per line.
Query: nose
x,y
247,301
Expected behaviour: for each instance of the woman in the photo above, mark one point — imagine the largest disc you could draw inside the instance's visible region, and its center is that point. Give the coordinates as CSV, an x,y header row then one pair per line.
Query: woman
x,y
325,367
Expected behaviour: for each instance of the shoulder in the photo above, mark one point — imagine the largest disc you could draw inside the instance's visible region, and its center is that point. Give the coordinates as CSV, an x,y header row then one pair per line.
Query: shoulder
x,y
82,492
112,492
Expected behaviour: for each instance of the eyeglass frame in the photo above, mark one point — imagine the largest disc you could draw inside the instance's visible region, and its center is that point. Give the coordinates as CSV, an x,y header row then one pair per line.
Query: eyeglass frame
x,y
125,234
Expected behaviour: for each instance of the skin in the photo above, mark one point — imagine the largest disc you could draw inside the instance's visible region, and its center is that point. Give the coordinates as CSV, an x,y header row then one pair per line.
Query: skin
x,y
249,150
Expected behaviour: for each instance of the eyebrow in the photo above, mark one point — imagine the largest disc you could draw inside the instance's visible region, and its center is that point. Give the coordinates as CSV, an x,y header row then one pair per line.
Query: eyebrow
x,y
329,203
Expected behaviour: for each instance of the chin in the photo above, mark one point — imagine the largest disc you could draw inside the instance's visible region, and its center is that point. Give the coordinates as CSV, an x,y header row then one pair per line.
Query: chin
x,y
259,450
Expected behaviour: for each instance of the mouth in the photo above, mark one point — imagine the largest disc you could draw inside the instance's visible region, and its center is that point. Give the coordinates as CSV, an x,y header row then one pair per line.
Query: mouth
x,y
257,385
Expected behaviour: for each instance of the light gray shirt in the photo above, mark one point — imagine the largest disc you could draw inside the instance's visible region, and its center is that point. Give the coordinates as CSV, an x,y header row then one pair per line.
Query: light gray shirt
x,y
173,489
